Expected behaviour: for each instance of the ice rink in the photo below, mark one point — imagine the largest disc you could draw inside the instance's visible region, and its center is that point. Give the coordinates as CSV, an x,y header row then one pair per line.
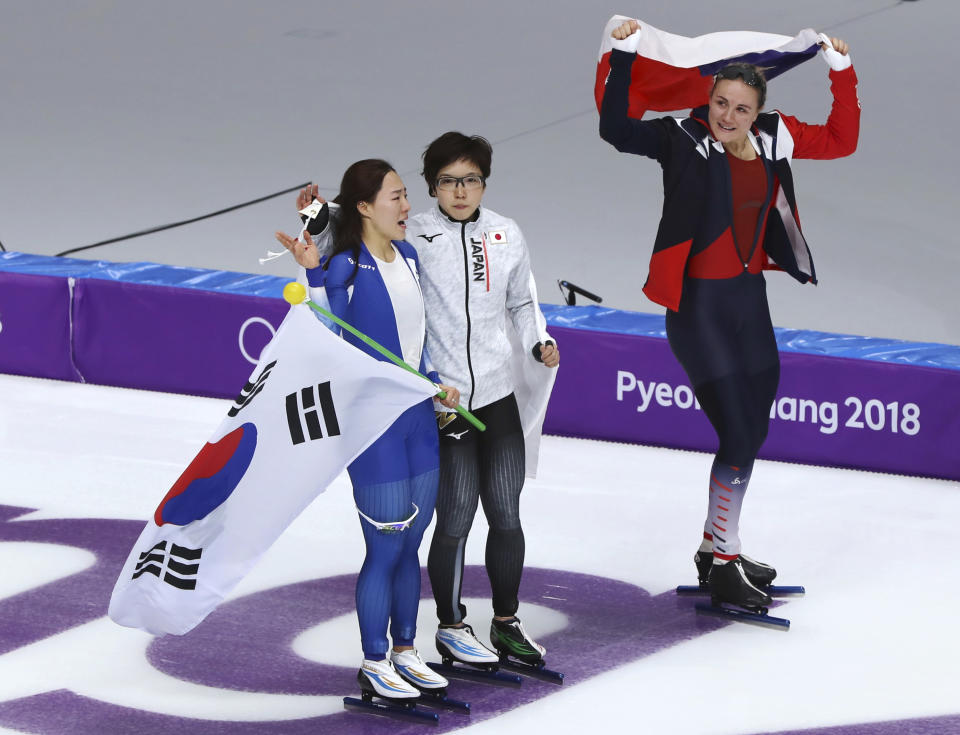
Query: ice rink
x,y
611,530
120,116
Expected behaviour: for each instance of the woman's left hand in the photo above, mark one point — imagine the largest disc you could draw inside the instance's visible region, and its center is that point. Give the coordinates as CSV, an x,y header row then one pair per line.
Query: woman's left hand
x,y
836,52
550,355
304,252
453,396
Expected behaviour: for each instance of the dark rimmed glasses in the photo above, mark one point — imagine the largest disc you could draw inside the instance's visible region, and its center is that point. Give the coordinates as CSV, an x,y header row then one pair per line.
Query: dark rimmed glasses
x,y
449,183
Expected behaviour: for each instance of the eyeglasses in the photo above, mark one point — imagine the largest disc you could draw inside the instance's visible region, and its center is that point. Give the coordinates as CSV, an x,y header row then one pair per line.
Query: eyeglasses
x,y
746,73
449,183
393,526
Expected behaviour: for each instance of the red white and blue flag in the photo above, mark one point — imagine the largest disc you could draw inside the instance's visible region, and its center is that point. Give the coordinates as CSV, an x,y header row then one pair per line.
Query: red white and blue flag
x,y
676,73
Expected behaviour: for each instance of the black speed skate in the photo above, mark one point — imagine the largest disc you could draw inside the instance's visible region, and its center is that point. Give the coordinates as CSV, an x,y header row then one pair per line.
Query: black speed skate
x,y
519,652
510,639
734,597
759,574
743,583
729,583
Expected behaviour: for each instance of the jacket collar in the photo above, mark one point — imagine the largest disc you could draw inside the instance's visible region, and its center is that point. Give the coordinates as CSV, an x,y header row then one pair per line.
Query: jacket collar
x,y
447,220
698,126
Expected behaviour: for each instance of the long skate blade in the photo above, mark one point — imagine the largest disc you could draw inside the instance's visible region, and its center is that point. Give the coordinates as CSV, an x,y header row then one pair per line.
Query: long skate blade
x,y
535,671
774,590
391,710
785,590
431,699
744,616
693,589
471,673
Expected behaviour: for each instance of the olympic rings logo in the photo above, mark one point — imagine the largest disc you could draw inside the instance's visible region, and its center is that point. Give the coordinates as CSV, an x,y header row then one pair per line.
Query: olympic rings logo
x,y
243,329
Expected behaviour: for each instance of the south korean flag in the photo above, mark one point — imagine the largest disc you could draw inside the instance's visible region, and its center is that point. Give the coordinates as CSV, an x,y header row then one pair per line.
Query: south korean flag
x,y
311,406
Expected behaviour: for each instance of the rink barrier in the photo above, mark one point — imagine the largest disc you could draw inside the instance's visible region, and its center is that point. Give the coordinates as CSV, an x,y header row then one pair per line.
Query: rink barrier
x,y
845,401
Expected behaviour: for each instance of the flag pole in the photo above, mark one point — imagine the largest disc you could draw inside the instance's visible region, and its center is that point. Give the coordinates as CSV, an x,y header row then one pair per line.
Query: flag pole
x,y
294,293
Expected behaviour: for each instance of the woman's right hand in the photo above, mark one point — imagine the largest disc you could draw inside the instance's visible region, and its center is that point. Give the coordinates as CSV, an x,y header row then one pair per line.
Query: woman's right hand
x,y
625,30
452,398
305,252
307,195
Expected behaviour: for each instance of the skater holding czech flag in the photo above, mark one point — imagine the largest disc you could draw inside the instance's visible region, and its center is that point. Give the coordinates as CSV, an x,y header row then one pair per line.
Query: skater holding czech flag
x,y
729,214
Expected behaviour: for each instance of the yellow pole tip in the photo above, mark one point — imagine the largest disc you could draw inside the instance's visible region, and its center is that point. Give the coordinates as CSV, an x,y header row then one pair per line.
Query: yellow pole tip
x,y
294,293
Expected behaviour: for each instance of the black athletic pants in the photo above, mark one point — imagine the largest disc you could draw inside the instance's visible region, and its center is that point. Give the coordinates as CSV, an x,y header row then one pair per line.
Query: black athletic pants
x,y
723,337
486,467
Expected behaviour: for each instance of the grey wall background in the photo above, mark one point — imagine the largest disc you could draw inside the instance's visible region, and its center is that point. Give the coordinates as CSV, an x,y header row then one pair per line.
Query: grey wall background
x,y
118,116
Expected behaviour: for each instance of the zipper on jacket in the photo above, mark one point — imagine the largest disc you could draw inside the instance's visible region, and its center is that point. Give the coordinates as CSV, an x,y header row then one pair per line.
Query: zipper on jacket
x,y
761,218
466,308
757,233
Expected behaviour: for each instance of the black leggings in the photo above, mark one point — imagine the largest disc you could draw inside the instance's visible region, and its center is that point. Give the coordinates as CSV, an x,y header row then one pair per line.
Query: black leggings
x,y
475,467
723,337
738,406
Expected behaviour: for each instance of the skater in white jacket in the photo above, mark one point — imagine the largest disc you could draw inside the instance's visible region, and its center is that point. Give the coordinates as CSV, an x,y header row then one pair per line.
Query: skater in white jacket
x,y
475,276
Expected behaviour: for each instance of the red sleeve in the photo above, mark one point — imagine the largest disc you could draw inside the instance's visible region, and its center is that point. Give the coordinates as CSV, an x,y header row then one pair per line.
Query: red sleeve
x,y
838,137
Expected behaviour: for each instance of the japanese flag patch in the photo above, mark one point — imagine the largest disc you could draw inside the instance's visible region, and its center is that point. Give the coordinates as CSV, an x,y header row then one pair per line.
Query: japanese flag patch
x,y
497,237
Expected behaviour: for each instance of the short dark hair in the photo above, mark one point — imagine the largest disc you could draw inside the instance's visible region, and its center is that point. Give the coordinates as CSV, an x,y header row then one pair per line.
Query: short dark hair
x,y
452,147
749,74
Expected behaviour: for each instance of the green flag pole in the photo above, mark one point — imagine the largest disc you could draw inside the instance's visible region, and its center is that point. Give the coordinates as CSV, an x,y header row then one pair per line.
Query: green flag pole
x,y
295,293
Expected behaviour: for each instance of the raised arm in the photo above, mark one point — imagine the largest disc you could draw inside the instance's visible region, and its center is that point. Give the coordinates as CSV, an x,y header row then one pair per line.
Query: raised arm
x,y
838,137
626,134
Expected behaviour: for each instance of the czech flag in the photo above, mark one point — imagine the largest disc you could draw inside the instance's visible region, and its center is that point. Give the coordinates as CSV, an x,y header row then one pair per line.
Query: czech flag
x,y
676,73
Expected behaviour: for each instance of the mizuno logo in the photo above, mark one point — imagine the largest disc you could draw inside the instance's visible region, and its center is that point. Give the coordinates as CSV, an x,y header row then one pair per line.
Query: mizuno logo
x,y
429,238
457,436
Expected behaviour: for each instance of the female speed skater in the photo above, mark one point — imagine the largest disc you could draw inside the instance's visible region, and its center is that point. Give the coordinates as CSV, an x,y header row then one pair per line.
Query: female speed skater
x,y
475,276
372,283
729,214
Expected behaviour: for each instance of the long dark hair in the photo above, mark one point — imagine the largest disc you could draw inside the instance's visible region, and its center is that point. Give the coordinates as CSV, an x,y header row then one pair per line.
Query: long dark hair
x,y
361,183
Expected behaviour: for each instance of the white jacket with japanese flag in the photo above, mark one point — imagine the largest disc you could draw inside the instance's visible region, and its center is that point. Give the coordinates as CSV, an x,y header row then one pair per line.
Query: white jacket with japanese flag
x,y
483,318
